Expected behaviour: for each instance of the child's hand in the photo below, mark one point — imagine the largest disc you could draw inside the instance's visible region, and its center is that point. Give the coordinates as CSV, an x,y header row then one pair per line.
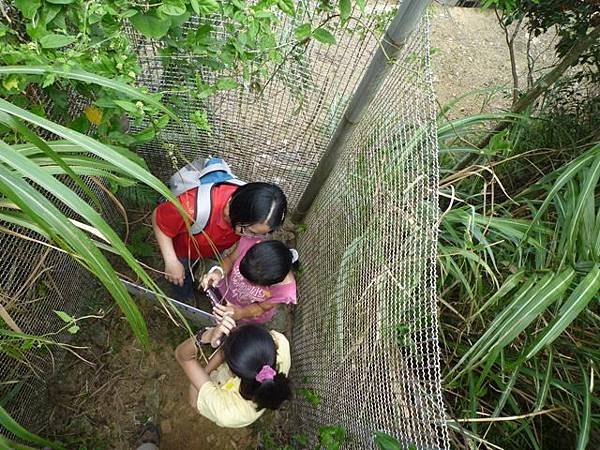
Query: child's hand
x,y
174,271
212,278
224,328
222,311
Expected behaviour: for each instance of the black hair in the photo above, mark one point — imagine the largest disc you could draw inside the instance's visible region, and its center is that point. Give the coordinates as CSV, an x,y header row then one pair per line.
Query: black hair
x,y
266,263
247,350
256,203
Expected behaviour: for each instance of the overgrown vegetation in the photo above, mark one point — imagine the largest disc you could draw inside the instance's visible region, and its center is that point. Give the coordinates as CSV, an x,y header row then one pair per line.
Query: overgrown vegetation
x,y
519,251
519,258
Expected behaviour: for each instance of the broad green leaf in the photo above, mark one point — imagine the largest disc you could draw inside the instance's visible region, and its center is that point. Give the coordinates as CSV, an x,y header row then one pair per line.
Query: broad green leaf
x,y
145,135
60,2
172,8
64,316
127,106
56,40
287,6
13,427
345,10
151,26
28,7
586,291
303,31
324,36
386,442
204,6
361,5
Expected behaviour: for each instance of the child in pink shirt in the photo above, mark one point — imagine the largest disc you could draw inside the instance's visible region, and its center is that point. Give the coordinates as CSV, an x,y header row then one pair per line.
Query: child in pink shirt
x,y
254,278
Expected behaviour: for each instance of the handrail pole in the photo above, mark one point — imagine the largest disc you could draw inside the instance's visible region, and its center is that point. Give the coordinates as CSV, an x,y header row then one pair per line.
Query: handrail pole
x,y
393,42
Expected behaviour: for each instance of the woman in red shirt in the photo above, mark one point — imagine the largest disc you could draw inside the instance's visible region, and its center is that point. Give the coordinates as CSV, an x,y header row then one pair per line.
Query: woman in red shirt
x,y
253,209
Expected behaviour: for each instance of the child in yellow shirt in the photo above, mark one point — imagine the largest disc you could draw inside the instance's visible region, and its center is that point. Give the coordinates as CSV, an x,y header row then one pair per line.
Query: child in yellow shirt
x,y
245,377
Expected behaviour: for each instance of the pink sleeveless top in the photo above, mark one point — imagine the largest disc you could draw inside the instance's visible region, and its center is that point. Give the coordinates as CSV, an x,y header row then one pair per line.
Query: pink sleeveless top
x,y
240,292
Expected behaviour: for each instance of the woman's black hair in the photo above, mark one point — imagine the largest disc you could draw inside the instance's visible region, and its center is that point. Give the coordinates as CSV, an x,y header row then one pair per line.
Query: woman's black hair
x,y
267,263
247,350
257,203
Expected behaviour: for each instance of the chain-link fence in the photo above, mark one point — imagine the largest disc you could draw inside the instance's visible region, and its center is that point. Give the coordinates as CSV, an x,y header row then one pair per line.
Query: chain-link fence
x,y
36,280
365,333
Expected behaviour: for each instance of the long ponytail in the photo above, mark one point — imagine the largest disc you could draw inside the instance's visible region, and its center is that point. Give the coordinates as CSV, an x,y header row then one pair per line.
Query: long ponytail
x,y
251,354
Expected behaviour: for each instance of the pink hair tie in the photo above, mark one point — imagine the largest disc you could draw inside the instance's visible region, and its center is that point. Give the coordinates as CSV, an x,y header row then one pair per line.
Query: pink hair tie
x,y
266,373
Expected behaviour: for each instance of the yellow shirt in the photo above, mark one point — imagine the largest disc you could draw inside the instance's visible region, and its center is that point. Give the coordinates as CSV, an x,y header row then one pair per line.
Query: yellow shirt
x,y
220,400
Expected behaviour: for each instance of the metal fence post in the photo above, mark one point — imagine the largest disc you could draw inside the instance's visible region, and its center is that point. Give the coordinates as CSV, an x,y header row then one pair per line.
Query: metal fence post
x,y
404,23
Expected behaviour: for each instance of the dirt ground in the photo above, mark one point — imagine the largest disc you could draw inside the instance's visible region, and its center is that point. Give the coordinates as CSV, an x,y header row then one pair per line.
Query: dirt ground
x,y
104,404
469,53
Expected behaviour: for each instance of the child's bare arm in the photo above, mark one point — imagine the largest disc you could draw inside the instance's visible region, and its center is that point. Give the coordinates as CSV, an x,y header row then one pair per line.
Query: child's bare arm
x,y
215,361
246,312
186,354
213,277
174,270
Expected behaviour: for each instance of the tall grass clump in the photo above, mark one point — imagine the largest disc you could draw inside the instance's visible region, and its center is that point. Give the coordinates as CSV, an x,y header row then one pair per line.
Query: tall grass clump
x,y
519,265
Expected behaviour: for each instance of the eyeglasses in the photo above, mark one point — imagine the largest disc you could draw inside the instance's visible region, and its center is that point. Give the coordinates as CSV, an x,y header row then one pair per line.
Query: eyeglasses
x,y
244,230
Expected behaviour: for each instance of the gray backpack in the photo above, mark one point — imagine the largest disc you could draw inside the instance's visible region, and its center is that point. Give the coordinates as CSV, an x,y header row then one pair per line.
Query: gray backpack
x,y
202,174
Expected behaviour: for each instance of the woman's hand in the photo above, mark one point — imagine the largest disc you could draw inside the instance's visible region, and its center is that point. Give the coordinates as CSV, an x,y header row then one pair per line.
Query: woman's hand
x,y
212,278
174,271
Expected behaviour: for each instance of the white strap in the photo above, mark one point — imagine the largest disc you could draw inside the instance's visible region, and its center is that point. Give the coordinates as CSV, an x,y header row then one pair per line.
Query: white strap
x,y
215,268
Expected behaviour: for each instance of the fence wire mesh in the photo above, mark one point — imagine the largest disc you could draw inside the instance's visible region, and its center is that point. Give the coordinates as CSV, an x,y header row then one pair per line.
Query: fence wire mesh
x,y
37,280
365,332
273,130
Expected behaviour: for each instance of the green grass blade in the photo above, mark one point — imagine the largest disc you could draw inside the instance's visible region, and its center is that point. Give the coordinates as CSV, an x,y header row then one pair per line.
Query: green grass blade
x,y
566,174
526,313
585,423
15,428
103,151
545,388
509,284
486,341
587,192
69,237
585,291
62,146
506,392
87,77
33,138
27,168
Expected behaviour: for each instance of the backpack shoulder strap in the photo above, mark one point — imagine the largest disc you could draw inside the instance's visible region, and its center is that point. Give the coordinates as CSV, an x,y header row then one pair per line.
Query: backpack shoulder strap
x,y
204,203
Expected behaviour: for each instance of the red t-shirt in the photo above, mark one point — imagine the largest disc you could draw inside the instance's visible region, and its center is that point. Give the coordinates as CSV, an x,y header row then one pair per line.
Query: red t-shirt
x,y
170,221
